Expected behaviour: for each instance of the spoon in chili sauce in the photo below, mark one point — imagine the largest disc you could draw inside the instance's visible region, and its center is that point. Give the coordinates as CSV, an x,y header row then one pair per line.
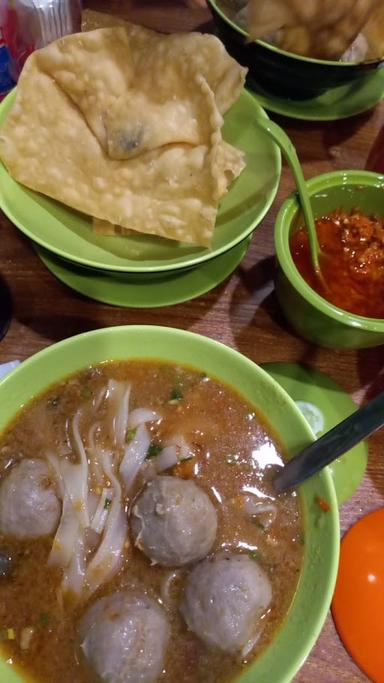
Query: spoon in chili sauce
x,y
290,154
331,445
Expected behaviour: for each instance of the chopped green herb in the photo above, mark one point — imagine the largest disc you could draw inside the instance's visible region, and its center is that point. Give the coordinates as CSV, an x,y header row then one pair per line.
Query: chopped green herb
x,y
45,619
130,435
107,503
176,395
153,450
301,538
259,524
53,402
255,555
86,393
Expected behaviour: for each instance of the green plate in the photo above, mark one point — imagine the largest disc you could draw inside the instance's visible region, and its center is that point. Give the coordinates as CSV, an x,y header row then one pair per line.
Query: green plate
x,y
324,403
336,103
165,291
67,233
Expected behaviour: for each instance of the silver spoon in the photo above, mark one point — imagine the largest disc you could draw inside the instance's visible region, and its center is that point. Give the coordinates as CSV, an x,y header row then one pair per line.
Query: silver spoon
x,y
331,445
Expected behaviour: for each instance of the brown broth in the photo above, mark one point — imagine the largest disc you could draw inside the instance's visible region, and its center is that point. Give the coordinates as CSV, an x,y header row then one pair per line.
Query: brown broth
x,y
233,448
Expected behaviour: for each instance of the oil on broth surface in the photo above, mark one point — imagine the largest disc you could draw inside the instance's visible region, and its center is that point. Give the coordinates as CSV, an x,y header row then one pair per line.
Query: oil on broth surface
x,y
233,450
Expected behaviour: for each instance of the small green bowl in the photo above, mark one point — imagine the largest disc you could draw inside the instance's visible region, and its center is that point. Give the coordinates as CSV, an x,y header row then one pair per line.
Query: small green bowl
x,y
68,233
311,316
299,631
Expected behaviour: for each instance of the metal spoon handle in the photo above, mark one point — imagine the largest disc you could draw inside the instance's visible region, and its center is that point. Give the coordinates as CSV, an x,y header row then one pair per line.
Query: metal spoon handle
x,y
331,445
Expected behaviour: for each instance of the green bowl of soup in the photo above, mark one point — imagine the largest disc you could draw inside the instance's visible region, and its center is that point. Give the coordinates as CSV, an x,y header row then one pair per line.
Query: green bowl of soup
x,y
215,425
348,313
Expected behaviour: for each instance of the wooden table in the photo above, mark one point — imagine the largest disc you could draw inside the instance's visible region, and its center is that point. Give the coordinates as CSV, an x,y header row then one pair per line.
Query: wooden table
x,y
242,312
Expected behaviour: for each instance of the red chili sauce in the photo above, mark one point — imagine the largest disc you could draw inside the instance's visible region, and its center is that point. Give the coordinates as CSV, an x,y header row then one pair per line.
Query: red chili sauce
x,y
352,261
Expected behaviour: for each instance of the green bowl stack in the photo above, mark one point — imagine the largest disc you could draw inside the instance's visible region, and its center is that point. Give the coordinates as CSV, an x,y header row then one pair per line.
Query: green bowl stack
x,y
145,270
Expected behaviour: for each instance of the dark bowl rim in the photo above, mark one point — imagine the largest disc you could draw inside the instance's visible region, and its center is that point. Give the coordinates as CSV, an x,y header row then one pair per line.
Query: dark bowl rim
x,y
285,53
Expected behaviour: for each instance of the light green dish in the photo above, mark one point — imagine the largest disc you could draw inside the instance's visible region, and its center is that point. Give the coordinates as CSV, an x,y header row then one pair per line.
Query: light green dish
x,y
170,289
67,233
339,102
293,642
324,404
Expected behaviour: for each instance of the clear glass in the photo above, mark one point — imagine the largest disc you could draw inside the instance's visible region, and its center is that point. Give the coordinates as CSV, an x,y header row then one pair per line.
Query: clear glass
x,y
27,25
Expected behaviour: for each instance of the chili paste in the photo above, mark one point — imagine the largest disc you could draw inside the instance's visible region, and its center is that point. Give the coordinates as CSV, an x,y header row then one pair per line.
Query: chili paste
x,y
352,261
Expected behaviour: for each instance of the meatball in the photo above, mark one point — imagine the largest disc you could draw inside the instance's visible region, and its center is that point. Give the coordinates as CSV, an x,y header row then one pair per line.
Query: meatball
x,y
29,506
174,521
124,637
224,599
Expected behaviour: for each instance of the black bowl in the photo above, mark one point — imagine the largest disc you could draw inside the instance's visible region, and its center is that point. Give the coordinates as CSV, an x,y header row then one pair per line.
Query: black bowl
x,y
284,73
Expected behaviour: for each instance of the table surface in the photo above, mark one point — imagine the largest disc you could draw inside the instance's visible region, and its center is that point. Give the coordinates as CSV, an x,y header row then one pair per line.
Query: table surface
x,y
242,312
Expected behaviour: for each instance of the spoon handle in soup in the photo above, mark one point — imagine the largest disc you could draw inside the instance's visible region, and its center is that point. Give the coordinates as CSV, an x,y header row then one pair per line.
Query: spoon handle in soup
x,y
331,445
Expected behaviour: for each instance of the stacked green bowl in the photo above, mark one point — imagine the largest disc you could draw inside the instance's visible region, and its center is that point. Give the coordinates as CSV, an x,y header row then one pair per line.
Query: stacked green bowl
x,y
66,243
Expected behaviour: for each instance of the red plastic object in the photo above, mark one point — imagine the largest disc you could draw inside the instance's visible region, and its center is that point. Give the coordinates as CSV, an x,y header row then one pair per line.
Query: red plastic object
x,y
358,601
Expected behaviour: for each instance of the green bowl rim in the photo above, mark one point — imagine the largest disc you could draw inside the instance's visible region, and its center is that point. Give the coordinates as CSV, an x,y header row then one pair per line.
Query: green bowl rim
x,y
311,636
277,50
166,267
283,221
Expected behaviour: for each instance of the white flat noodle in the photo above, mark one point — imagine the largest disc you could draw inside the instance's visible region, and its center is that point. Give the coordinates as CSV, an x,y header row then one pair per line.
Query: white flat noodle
x,y
93,502
65,537
148,470
101,514
248,647
77,490
166,586
167,458
93,459
110,554
254,506
142,415
74,574
54,462
118,402
76,481
99,398
67,532
174,452
134,456
184,451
